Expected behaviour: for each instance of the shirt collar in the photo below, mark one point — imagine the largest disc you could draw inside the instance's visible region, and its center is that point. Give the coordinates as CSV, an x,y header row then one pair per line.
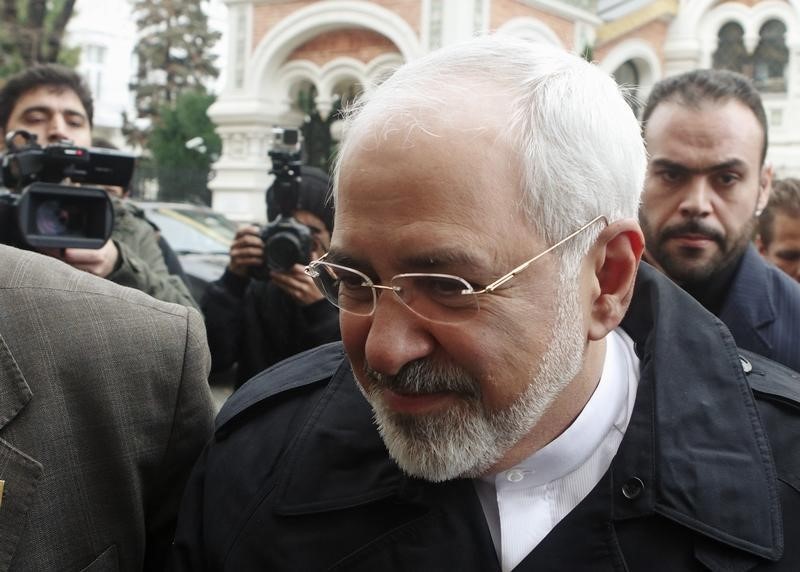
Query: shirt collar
x,y
608,406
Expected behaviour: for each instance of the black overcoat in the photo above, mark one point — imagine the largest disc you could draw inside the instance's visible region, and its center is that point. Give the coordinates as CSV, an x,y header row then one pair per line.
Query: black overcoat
x,y
707,476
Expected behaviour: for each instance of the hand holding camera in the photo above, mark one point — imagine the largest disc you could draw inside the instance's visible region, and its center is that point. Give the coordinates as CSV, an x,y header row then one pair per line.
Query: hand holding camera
x,y
98,261
247,251
248,255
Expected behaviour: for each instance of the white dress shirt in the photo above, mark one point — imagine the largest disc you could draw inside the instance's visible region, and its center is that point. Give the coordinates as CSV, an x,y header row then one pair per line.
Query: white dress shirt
x,y
523,504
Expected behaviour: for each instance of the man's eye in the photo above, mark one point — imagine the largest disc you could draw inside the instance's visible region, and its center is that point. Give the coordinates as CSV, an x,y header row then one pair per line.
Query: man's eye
x,y
789,256
440,287
727,179
350,281
33,118
670,176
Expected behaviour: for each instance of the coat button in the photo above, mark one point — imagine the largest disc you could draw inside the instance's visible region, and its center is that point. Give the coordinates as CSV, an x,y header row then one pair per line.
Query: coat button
x,y
632,488
747,367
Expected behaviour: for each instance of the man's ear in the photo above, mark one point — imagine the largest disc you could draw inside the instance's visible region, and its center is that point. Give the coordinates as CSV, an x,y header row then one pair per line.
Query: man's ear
x,y
759,244
616,257
764,187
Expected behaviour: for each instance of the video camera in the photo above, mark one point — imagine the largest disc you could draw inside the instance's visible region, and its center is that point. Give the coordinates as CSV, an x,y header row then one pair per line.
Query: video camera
x,y
38,212
286,241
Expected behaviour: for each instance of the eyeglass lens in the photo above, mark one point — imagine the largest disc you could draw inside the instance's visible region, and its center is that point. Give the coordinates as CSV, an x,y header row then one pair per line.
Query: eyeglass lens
x,y
436,297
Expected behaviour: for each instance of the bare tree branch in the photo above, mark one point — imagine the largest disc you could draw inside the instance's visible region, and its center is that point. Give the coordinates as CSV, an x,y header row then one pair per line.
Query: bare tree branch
x,y
56,36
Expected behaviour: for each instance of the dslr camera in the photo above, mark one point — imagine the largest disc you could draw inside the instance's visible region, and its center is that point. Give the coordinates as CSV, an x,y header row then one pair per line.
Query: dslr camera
x,y
36,211
286,241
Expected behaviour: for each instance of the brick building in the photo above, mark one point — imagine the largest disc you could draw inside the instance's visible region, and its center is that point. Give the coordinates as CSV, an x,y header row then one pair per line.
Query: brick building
x,y
335,48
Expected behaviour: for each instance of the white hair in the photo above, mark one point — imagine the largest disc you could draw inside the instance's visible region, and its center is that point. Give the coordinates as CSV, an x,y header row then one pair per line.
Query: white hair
x,y
580,145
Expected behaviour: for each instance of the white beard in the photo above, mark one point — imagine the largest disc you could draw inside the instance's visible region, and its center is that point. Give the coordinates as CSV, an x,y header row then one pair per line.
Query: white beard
x,y
467,440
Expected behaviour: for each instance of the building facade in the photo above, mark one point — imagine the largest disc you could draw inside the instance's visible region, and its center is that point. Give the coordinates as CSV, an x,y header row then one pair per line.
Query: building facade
x,y
106,33
277,49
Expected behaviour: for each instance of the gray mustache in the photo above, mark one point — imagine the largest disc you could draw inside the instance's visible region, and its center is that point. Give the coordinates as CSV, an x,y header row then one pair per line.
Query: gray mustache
x,y
423,377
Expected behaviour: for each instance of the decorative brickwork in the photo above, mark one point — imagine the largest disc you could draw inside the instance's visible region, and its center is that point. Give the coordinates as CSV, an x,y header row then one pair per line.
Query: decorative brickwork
x,y
750,3
653,33
363,45
505,10
265,16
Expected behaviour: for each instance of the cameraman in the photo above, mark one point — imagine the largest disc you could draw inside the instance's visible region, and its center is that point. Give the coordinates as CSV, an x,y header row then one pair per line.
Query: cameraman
x,y
53,103
260,322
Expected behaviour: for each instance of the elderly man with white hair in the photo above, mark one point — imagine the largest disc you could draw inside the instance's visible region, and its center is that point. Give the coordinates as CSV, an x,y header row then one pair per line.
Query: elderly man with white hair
x,y
513,390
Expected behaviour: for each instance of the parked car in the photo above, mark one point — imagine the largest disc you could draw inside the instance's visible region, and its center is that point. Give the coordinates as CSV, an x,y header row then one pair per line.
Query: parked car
x,y
199,236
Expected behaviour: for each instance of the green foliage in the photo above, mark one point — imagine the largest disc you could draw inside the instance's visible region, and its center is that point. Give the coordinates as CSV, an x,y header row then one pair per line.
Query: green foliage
x,y
587,53
32,31
183,173
174,56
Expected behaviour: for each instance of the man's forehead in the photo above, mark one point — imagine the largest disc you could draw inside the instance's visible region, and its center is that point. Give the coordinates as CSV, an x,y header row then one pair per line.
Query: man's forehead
x,y
711,117
54,97
702,137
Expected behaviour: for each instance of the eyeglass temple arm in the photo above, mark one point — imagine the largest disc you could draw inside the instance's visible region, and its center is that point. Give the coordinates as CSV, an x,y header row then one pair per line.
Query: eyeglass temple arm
x,y
503,279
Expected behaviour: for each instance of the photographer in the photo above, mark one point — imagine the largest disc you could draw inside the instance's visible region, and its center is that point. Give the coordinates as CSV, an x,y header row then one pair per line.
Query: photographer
x,y
259,322
53,103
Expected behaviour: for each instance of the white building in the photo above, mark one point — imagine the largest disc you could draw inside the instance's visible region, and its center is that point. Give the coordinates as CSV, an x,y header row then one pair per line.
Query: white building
x,y
277,48
106,33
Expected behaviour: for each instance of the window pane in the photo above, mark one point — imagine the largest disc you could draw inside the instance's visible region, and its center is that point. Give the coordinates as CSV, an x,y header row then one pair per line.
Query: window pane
x,y
627,76
731,53
771,57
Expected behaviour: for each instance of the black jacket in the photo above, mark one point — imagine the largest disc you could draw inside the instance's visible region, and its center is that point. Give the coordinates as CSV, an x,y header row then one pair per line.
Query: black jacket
x,y
707,475
762,310
256,324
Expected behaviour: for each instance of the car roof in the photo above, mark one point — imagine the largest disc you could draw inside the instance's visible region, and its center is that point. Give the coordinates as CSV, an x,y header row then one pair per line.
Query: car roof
x,y
168,205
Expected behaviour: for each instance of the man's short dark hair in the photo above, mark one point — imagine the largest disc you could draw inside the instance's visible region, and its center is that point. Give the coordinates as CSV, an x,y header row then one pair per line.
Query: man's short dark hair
x,y
700,86
785,198
52,75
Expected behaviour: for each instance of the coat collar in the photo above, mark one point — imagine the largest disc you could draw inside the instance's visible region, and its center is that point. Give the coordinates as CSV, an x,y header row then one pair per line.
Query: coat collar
x,y
749,306
20,472
15,392
340,442
709,472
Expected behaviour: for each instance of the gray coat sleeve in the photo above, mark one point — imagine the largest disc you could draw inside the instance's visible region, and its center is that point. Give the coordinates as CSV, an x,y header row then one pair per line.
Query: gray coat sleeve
x,y
192,426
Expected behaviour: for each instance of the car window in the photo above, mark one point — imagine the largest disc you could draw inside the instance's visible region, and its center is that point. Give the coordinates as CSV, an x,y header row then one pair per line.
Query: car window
x,y
194,231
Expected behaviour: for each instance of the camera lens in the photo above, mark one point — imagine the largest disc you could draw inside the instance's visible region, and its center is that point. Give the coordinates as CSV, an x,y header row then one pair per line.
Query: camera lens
x,y
284,250
54,218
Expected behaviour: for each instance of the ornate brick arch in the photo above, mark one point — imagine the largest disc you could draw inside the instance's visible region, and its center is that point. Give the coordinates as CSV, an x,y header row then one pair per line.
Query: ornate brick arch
x,y
532,29
304,24
245,113
692,38
643,56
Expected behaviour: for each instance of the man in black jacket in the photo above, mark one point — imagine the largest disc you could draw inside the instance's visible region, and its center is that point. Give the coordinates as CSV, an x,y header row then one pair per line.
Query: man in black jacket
x,y
512,391
778,239
707,182
256,322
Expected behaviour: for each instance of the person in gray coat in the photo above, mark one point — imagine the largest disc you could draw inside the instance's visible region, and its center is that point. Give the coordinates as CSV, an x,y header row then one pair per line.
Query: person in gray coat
x,y
104,407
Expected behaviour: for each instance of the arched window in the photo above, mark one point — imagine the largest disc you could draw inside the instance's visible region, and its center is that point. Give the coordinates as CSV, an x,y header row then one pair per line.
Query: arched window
x,y
347,91
771,57
627,75
731,53
300,95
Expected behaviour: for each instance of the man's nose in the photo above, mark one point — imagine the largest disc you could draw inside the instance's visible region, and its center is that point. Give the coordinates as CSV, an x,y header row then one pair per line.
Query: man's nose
x,y
397,336
696,199
57,129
